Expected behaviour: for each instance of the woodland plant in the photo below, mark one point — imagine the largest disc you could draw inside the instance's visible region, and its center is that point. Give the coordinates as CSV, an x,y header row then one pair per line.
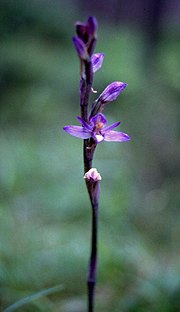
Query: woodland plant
x,y
94,128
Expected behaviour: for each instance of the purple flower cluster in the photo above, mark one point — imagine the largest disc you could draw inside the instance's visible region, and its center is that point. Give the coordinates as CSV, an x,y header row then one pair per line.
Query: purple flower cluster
x,y
95,126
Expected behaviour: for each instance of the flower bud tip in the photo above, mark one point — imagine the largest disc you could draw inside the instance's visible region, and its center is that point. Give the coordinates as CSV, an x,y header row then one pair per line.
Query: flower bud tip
x,y
92,174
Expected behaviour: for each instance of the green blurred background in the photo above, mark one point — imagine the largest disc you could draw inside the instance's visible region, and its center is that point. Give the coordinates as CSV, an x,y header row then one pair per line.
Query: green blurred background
x,y
45,215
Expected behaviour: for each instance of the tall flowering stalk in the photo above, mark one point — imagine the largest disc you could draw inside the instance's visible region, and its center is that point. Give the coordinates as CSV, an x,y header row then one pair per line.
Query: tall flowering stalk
x,y
93,129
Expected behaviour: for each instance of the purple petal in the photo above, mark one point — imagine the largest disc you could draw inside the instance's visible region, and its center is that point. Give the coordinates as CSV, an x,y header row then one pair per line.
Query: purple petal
x,y
114,125
112,91
84,123
97,61
80,48
78,132
99,118
115,136
92,25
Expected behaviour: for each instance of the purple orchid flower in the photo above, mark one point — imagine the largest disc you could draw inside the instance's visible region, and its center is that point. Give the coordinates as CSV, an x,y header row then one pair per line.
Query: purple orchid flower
x,y
97,129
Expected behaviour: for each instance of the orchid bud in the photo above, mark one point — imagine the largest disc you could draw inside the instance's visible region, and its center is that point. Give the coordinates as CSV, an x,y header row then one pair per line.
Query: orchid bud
x,y
111,92
87,30
93,175
80,48
92,26
81,30
97,61
87,33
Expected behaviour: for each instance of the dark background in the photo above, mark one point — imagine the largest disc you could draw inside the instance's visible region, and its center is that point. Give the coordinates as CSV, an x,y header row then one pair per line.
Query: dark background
x,y
44,211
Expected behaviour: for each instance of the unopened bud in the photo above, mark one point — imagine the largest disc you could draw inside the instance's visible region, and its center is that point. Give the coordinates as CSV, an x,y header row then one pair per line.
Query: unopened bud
x,y
111,92
97,61
80,48
93,174
92,25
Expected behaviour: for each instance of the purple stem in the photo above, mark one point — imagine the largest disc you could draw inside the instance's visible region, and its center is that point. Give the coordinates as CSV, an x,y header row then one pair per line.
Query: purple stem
x,y
86,85
91,281
92,186
93,260
85,89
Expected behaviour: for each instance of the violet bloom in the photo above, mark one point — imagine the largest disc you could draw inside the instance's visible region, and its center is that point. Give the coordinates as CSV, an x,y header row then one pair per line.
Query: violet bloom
x,y
97,129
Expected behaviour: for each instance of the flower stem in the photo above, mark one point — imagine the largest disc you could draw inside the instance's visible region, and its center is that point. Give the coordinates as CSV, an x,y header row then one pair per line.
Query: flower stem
x,y
88,153
85,88
94,192
91,281
93,187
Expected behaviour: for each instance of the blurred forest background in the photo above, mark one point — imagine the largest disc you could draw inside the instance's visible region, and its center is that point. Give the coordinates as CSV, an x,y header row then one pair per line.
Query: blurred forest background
x,y
45,215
